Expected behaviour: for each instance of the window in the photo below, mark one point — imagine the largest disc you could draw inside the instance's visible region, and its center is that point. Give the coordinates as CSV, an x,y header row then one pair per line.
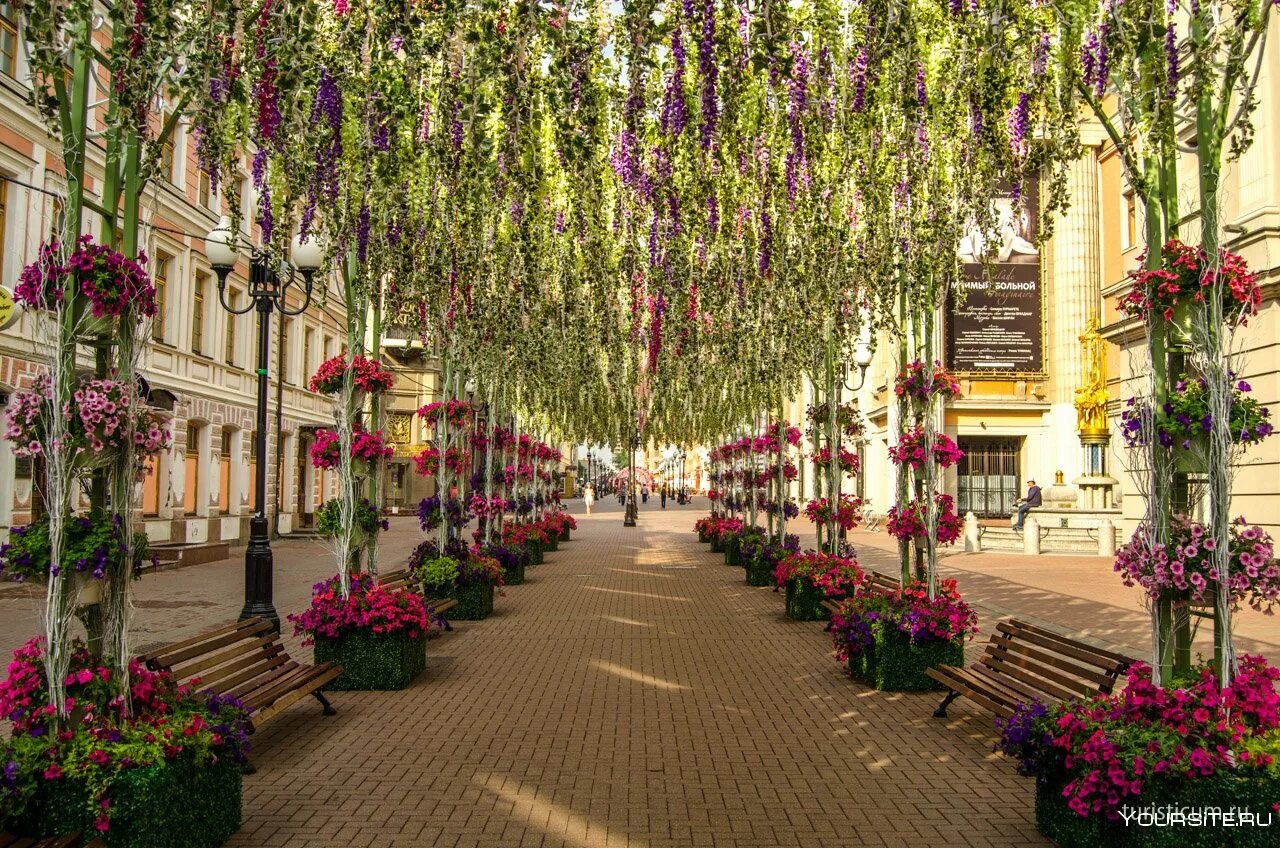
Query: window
x,y
224,474
204,190
168,157
329,346
233,298
1129,235
308,342
284,351
246,204
190,499
8,40
161,282
197,317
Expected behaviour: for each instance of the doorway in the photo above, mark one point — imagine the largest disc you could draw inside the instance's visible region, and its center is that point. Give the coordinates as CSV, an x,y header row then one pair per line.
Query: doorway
x,y
988,476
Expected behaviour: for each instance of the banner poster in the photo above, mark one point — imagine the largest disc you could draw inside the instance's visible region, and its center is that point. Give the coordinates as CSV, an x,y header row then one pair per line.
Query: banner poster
x,y
998,326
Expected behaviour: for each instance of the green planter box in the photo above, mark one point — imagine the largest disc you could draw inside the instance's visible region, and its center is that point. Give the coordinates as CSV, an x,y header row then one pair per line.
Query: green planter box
x,y
731,550
760,570
475,602
1060,823
804,601
564,533
513,575
553,543
894,664
716,547
535,553
373,661
176,804
702,537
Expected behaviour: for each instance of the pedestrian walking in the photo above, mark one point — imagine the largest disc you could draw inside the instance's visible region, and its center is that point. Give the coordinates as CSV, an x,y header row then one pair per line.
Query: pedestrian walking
x,y
644,494
589,497
664,497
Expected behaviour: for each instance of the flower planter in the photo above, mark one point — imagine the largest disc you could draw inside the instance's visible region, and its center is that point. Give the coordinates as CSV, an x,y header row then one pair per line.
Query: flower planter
x,y
1068,829
373,661
513,575
760,569
893,663
475,602
564,533
702,537
535,552
804,601
176,804
731,549
553,543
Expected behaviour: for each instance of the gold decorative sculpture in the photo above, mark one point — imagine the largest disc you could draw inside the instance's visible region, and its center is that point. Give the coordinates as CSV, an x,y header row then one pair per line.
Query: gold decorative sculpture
x,y
1092,396
399,428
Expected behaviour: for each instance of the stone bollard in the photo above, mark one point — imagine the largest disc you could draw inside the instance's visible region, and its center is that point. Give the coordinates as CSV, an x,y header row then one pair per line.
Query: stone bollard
x,y
972,534
1031,536
1106,539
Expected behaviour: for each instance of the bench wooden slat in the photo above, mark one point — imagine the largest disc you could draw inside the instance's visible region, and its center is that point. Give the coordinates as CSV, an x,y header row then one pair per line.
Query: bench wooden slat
x,y
1061,645
245,661
442,605
198,646
1023,662
1061,671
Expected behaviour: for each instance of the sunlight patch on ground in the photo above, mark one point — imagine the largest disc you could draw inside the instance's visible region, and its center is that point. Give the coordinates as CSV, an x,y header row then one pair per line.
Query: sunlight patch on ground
x,y
556,820
630,621
641,573
639,677
638,594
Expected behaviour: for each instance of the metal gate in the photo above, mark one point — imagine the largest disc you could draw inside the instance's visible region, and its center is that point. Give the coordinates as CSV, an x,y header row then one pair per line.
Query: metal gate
x,y
988,483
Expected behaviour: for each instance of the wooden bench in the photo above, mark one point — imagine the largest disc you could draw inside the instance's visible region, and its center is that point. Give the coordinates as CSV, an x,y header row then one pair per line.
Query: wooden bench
x,y
247,661
1023,662
403,579
8,840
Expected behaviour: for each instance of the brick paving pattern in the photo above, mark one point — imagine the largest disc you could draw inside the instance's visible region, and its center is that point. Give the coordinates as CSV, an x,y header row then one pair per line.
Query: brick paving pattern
x,y
635,693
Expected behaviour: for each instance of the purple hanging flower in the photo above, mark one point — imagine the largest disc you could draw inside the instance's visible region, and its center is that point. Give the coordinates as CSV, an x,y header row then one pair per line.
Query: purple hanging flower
x,y
1040,63
266,218
1171,60
858,76
362,233
674,112
922,99
1019,120
766,242
713,214
709,71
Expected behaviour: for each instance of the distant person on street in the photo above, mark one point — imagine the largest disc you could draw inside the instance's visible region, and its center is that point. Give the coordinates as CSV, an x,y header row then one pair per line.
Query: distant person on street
x,y
1025,505
589,498
664,497
644,494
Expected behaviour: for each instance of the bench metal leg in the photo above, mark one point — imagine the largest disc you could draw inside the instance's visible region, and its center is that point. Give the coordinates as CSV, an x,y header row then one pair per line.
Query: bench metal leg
x,y
941,711
247,767
324,702
447,625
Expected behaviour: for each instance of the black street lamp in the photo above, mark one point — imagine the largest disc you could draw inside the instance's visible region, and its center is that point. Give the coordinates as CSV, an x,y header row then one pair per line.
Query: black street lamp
x,y
633,509
267,292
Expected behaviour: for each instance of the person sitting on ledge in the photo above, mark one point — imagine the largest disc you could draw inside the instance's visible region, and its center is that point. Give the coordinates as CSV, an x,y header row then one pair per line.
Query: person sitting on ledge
x,y
1028,503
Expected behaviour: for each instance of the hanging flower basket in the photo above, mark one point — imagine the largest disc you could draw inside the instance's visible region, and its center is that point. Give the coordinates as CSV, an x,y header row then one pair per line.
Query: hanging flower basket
x,y
365,449
367,375
108,285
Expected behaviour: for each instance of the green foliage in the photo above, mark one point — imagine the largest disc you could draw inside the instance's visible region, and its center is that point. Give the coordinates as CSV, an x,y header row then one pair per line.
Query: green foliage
x,y
893,663
804,601
94,544
475,602
437,575
373,661
366,519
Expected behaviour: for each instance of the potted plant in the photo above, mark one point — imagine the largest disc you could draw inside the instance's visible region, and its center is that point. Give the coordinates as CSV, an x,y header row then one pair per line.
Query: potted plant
x,y
704,527
471,579
365,449
367,376
909,522
1178,288
1116,769
96,421
528,535
512,560
1184,421
95,544
160,771
378,635
366,521
890,638
765,557
811,578
109,285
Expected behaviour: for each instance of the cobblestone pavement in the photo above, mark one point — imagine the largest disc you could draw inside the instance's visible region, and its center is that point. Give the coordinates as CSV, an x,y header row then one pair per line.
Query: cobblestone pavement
x,y
634,692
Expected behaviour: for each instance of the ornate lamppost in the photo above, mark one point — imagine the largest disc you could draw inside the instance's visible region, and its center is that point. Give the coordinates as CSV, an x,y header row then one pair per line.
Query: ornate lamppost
x,y
270,281
633,510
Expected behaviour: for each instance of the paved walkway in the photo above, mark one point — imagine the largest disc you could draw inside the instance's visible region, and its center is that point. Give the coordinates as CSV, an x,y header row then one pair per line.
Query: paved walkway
x,y
634,692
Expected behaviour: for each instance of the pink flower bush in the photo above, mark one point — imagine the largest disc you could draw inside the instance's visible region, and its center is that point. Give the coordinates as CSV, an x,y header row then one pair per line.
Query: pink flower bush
x,y
910,449
370,608
457,412
945,618
1184,566
846,514
111,283
920,382
837,577
97,421
365,447
1185,278
909,523
455,459
849,462
1105,751
367,375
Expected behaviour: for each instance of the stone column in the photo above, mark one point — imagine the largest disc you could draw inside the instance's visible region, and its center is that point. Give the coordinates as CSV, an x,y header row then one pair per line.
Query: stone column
x,y
1074,291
